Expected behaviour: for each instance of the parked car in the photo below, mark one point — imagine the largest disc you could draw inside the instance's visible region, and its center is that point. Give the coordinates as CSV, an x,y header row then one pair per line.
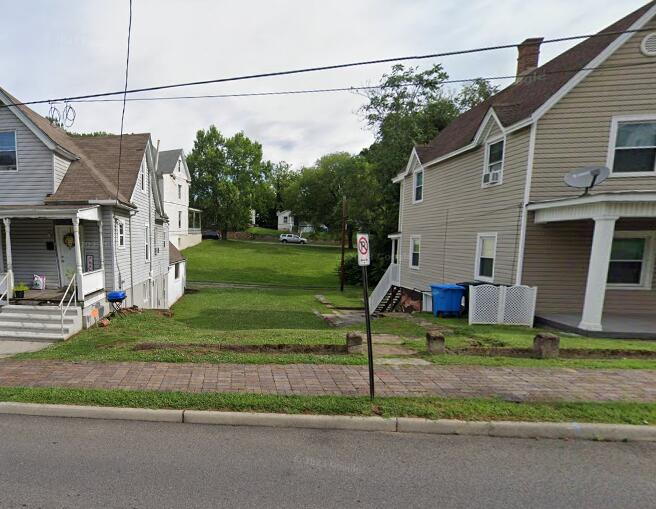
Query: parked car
x,y
211,234
292,238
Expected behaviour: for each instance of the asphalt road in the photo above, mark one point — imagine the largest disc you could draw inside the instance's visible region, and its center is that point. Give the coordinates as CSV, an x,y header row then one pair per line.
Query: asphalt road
x,y
53,462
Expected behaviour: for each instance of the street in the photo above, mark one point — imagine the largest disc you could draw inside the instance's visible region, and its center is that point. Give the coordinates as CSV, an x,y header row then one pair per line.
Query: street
x,y
56,462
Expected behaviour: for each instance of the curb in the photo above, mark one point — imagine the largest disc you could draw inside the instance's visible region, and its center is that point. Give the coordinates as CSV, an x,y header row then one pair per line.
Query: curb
x,y
504,429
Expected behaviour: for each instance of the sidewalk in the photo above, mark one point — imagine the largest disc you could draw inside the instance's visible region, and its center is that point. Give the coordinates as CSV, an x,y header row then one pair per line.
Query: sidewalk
x,y
521,384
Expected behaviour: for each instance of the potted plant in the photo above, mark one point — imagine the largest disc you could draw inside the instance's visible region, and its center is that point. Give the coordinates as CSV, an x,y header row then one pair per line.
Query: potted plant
x,y
19,290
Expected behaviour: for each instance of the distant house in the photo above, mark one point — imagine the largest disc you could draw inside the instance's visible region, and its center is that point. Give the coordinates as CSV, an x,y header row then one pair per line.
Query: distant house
x,y
75,226
486,200
285,220
174,181
177,277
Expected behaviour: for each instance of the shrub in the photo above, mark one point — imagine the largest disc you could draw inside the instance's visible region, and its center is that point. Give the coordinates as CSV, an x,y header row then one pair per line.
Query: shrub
x,y
353,272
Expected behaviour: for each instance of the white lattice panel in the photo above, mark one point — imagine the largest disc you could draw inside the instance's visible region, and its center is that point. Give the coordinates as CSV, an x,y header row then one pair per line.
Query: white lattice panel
x,y
510,305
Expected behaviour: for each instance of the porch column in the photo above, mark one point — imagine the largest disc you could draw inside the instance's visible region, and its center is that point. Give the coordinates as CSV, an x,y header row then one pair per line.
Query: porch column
x,y
595,291
78,258
10,265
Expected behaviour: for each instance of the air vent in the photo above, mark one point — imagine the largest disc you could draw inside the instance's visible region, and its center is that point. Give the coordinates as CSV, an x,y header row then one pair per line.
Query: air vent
x,y
649,45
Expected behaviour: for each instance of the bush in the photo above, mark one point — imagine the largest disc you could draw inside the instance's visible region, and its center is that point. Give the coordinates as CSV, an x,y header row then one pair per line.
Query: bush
x,y
353,272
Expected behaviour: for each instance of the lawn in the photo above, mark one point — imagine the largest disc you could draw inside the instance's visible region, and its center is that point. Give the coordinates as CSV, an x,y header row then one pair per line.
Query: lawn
x,y
271,264
258,231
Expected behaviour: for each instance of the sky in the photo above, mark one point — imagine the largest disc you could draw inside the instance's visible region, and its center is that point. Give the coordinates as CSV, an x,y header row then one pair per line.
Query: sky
x,y
57,48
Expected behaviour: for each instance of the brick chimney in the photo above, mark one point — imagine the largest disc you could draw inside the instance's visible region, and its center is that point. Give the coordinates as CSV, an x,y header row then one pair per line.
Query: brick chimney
x,y
529,56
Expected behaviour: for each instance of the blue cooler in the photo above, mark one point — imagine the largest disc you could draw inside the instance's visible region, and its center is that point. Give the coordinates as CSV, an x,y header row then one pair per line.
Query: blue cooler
x,y
447,299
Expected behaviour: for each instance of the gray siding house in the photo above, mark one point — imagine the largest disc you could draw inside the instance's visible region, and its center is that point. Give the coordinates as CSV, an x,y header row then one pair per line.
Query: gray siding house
x,y
76,218
486,199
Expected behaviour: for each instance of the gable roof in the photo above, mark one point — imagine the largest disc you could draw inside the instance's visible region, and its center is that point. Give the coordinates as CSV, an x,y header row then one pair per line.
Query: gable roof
x,y
167,160
175,256
522,99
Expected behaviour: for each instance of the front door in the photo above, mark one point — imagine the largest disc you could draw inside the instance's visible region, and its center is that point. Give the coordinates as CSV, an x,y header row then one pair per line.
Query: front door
x,y
65,253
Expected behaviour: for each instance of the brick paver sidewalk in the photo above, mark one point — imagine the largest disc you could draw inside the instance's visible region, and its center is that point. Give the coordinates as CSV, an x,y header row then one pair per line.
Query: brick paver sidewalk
x,y
446,381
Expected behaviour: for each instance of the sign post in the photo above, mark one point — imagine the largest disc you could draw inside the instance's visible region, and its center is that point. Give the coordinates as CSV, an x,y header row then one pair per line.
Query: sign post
x,y
364,260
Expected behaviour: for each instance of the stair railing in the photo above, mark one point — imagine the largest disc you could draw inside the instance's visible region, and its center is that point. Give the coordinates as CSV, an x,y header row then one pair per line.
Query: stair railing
x,y
72,286
390,278
4,283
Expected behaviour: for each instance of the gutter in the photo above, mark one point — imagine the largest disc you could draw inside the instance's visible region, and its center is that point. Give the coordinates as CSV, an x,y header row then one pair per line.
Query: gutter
x,y
113,203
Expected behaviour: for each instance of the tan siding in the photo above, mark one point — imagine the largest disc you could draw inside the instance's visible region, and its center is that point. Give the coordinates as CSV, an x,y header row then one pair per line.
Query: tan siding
x,y
454,187
576,132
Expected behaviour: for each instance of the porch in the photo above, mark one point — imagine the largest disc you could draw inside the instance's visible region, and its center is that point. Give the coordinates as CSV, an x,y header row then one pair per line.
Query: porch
x,y
63,244
592,258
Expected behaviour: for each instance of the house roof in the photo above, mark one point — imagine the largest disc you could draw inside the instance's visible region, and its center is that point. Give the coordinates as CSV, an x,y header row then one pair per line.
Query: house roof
x,y
520,100
175,256
167,160
93,173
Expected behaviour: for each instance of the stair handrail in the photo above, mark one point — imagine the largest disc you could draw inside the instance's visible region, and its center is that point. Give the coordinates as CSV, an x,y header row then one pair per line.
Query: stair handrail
x,y
381,289
72,285
4,294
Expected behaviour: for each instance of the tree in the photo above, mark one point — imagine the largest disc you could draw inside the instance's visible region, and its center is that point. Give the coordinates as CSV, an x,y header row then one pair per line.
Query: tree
x,y
473,94
227,175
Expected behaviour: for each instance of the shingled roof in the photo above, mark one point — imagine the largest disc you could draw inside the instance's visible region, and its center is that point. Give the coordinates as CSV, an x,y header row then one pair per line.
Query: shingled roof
x,y
175,256
93,173
520,100
167,160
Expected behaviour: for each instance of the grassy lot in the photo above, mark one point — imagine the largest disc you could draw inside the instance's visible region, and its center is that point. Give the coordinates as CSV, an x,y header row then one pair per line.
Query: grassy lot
x,y
289,265
431,408
258,231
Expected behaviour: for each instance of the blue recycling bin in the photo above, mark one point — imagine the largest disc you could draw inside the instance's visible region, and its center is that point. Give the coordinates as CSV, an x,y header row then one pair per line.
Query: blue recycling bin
x,y
447,299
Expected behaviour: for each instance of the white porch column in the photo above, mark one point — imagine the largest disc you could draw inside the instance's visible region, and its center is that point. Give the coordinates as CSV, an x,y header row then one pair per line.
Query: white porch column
x,y
10,265
78,258
102,251
595,291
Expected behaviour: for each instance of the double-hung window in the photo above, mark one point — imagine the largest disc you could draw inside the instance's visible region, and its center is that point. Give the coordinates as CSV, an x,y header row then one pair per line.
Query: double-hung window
x,y
493,171
179,219
179,192
8,151
631,260
633,149
418,187
147,241
415,252
486,249
120,233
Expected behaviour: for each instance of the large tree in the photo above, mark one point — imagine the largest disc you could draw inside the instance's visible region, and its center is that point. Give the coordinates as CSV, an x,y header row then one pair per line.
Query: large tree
x,y
227,178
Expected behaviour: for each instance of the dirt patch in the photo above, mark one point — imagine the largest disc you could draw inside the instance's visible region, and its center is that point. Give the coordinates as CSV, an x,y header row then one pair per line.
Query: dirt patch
x,y
566,353
202,348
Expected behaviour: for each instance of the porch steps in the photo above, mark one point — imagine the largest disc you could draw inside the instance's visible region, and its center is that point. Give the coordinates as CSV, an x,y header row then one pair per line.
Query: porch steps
x,y
38,323
390,300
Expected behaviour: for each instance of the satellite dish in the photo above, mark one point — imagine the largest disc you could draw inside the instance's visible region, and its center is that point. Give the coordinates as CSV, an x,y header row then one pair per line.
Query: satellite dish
x,y
587,178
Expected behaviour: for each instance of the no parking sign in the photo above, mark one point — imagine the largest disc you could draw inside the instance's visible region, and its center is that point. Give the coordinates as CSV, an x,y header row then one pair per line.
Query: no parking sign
x,y
364,258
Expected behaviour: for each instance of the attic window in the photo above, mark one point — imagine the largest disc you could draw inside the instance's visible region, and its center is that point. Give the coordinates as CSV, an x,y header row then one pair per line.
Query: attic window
x,y
493,171
142,180
8,151
649,45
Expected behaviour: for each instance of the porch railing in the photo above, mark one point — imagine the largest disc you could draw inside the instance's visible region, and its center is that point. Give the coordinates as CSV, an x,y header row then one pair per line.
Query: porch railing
x,y
64,304
5,288
93,281
392,277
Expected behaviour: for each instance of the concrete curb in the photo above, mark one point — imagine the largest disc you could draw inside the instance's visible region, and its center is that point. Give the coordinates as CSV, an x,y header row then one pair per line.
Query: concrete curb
x,y
505,429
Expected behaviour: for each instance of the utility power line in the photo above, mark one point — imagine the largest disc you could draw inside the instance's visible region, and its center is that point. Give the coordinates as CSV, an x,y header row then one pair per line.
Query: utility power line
x,y
316,69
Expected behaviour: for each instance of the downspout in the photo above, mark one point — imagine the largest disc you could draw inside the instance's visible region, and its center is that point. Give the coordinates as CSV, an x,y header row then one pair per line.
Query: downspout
x,y
131,262
527,198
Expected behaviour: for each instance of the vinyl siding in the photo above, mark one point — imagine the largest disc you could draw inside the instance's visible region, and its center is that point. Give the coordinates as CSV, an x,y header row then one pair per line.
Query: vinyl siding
x,y
90,243
557,257
576,131
60,168
455,209
34,178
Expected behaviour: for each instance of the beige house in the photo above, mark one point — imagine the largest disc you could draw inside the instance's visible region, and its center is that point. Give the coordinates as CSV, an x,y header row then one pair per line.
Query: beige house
x,y
486,200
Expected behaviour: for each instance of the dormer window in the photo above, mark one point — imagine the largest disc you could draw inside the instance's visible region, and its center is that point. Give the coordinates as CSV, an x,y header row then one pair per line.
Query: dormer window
x,y
418,187
493,171
8,151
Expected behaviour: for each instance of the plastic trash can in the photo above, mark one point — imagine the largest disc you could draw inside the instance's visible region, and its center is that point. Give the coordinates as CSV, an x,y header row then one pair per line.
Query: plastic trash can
x,y
447,299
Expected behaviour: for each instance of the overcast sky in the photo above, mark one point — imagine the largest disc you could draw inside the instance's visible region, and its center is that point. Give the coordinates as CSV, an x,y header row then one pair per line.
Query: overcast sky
x,y
63,48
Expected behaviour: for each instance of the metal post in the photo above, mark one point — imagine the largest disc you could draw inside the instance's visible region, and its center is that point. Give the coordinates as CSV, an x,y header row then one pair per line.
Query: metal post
x,y
367,317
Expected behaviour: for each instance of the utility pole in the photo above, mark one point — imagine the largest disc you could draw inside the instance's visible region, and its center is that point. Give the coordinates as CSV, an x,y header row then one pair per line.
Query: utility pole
x,y
341,272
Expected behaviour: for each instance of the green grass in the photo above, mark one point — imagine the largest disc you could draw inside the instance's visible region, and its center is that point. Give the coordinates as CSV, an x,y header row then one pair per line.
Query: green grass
x,y
263,263
258,231
426,407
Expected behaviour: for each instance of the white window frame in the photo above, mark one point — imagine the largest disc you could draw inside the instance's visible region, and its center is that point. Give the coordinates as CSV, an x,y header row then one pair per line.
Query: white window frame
x,y
120,237
647,276
15,148
418,170
179,219
176,271
612,144
486,164
411,252
147,241
477,265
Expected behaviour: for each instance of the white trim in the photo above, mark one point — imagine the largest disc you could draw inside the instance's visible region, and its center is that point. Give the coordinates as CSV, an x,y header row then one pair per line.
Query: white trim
x,y
647,274
411,160
486,161
521,249
417,170
490,115
479,237
613,197
411,252
120,222
612,143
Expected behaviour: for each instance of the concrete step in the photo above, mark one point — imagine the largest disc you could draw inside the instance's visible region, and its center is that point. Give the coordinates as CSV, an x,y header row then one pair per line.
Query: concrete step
x,y
42,310
35,326
30,336
29,319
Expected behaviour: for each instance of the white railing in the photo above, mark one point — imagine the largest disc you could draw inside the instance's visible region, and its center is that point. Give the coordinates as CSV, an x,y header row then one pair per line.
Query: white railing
x,y
392,277
72,289
93,281
5,289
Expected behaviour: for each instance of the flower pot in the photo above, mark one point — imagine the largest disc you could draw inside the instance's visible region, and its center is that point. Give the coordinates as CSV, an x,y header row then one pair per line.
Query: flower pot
x,y
19,294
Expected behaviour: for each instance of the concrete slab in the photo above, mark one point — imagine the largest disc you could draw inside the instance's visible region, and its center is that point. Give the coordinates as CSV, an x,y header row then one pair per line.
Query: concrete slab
x,y
408,361
9,348
386,339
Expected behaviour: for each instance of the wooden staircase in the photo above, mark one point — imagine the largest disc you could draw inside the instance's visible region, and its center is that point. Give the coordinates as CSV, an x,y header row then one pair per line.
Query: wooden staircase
x,y
390,300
